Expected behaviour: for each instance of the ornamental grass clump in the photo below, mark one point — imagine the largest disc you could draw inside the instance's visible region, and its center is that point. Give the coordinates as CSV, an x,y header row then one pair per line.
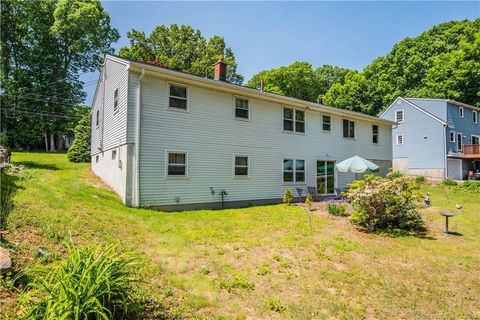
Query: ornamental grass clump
x,y
386,204
91,283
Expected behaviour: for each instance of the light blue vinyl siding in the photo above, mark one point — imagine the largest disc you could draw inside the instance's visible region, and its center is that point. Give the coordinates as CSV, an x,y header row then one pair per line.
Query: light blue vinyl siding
x,y
464,125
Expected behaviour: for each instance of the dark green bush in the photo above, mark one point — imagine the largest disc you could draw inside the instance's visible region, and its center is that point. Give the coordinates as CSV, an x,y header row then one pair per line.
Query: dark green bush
x,y
91,283
335,209
449,182
420,180
471,186
386,204
79,151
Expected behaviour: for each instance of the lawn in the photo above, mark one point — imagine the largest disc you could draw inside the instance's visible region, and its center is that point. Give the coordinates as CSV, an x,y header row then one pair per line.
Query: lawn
x,y
256,263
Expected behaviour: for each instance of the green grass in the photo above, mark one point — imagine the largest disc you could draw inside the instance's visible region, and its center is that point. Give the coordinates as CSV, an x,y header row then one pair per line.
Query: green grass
x,y
260,262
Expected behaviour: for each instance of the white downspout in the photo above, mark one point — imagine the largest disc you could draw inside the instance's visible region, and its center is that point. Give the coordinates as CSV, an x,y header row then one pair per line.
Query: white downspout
x,y
137,141
445,172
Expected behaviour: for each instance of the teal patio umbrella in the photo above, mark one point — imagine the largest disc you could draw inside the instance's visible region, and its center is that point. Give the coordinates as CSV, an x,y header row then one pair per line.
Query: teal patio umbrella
x,y
356,164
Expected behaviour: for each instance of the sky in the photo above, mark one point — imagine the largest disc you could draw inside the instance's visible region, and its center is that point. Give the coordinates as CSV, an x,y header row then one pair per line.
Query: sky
x,y
265,35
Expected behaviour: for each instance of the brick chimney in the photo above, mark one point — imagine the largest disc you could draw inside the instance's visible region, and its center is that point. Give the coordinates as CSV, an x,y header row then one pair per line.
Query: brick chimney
x,y
220,70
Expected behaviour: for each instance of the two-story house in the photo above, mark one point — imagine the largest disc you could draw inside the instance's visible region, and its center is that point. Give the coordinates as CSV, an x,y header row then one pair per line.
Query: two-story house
x,y
435,137
172,140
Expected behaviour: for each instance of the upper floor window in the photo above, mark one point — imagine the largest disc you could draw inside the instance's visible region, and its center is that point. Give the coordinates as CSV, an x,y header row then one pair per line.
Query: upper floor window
x,y
241,166
452,136
375,134
241,108
348,129
97,118
293,170
459,141
399,116
474,116
326,123
293,120
178,97
115,100
461,112
400,139
177,164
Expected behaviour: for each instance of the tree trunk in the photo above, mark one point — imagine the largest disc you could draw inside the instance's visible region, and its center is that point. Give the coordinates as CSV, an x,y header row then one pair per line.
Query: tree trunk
x,y
52,142
46,141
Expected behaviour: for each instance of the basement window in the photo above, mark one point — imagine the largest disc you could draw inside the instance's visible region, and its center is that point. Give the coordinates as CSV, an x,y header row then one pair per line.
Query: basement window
x,y
241,108
178,97
241,166
176,164
114,154
293,170
375,134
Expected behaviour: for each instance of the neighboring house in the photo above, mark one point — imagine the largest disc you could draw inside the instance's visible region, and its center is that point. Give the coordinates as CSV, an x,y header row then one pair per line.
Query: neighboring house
x,y
434,137
172,140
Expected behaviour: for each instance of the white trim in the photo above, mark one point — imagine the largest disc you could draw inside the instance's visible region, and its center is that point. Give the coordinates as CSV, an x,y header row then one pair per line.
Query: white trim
x,y
330,117
403,115
476,136
450,136
167,152
378,134
335,177
235,97
415,106
294,120
459,135
294,171
403,139
461,112
234,166
474,116
187,99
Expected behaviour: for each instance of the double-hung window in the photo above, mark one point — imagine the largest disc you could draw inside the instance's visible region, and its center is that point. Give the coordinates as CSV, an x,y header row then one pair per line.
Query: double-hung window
x,y
293,170
326,123
97,118
474,116
241,166
115,100
460,110
375,134
452,136
348,129
178,97
241,108
459,141
293,120
399,116
176,164
400,139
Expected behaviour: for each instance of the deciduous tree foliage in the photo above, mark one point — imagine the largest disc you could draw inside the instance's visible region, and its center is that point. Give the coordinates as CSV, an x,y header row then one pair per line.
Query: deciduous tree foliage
x,y
181,48
299,80
44,46
442,62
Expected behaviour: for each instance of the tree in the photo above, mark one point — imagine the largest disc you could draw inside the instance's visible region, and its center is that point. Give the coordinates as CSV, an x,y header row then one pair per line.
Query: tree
x,y
80,148
441,63
39,94
181,48
299,80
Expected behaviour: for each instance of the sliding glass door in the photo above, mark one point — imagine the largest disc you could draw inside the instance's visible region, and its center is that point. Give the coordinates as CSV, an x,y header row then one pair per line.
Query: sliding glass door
x,y
325,177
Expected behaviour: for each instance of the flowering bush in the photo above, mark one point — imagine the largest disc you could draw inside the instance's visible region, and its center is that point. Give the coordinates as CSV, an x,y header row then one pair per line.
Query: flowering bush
x,y
386,203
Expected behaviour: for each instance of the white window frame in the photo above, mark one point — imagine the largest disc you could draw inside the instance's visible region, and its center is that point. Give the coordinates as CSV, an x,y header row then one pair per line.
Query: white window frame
x,y
474,116
169,84
403,139
378,134
167,152
354,129
323,122
248,165
452,134
235,108
403,115
459,135
97,119
114,154
294,120
461,112
115,101
294,171
476,136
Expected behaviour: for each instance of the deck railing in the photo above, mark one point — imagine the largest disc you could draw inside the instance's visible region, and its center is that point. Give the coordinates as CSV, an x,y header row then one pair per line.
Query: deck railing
x,y
470,150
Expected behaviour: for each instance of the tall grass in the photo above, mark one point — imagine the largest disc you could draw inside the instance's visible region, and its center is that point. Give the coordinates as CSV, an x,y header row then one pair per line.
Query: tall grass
x,y
91,283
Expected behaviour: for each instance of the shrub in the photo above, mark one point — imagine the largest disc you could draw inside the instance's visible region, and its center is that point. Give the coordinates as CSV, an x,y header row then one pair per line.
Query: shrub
x,y
335,209
287,196
394,174
471,186
79,151
238,281
91,283
420,180
274,304
385,204
449,182
308,201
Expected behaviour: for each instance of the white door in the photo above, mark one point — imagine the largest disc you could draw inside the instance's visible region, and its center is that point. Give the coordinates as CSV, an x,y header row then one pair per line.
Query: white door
x,y
454,169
